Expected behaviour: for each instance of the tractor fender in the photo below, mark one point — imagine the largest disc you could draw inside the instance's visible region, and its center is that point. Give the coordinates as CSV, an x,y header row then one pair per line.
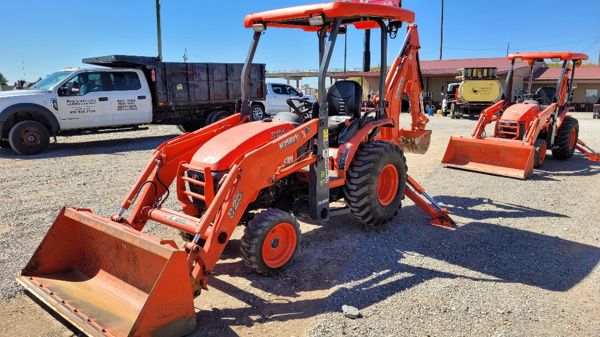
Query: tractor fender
x,y
38,113
347,151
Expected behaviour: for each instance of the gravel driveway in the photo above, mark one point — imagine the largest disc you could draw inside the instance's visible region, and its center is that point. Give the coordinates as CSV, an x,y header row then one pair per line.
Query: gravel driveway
x,y
522,260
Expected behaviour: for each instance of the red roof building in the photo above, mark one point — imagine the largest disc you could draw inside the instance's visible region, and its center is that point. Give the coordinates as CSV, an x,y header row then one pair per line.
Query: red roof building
x,y
438,73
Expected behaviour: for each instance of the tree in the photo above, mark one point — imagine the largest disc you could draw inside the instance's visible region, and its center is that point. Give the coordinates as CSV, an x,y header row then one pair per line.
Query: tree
x,y
3,79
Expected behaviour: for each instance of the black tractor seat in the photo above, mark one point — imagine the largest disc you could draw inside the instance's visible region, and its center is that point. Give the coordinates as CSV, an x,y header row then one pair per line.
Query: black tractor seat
x,y
344,100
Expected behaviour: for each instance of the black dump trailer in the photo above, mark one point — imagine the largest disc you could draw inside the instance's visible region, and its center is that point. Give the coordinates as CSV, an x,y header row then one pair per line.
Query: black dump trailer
x,y
190,95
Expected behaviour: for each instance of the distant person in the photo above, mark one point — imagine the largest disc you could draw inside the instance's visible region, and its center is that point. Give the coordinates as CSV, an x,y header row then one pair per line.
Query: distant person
x,y
368,103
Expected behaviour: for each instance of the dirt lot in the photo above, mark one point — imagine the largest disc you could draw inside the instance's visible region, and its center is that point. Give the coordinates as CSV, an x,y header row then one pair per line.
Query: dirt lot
x,y
522,260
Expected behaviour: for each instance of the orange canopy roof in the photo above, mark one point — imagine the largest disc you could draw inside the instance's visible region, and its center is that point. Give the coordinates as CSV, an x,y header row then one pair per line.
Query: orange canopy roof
x,y
361,15
548,55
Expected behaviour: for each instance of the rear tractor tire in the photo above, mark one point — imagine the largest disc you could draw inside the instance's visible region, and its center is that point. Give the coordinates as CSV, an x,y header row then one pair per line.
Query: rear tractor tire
x,y
539,152
270,241
375,183
565,141
29,137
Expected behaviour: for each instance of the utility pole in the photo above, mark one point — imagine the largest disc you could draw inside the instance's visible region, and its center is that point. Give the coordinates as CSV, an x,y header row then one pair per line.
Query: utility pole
x,y
507,47
367,51
442,30
158,30
345,49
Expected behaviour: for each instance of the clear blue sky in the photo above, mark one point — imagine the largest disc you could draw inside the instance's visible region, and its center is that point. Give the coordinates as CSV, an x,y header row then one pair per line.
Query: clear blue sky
x,y
45,36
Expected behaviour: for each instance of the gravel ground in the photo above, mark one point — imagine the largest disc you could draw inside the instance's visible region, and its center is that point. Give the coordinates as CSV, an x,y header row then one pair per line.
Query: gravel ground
x,y
522,260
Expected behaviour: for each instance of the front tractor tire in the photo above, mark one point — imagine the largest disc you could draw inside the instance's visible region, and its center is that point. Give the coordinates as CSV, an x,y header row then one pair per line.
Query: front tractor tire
x,y
375,183
539,152
565,141
29,137
270,241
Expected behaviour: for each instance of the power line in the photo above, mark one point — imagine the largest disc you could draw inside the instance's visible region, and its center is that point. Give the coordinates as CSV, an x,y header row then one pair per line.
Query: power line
x,y
591,44
200,57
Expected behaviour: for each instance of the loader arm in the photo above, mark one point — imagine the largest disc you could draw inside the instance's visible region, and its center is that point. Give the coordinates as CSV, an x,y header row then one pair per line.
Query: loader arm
x,y
539,123
486,117
160,172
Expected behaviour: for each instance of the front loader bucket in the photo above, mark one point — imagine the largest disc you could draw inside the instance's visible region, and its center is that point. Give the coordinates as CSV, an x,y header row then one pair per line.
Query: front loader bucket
x,y
415,141
109,280
482,155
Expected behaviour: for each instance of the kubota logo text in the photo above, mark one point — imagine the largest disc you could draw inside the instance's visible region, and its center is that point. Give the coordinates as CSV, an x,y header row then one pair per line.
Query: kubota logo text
x,y
288,142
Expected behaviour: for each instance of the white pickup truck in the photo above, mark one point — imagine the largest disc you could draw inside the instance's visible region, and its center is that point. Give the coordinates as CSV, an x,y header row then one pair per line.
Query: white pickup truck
x,y
126,92
275,101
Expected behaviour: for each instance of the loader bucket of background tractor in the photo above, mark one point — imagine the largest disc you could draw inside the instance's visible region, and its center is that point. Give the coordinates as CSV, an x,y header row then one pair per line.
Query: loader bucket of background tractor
x,y
109,280
481,155
414,141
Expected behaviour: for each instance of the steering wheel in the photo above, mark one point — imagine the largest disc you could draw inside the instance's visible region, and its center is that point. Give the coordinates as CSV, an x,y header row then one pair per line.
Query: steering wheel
x,y
305,106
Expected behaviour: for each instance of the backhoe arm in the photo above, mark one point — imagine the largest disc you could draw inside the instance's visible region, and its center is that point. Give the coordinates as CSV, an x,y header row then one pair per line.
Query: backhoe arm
x,y
404,76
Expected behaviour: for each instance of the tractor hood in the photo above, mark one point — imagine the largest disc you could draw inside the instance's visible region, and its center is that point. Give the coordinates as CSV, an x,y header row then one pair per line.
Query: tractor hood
x,y
520,112
224,149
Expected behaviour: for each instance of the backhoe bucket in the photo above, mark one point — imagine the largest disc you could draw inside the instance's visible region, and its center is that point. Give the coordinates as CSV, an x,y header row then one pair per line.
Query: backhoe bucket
x,y
482,155
415,141
109,280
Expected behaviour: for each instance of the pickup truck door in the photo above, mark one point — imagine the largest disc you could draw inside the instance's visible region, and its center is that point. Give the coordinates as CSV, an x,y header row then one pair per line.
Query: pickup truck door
x,y
131,102
277,97
83,102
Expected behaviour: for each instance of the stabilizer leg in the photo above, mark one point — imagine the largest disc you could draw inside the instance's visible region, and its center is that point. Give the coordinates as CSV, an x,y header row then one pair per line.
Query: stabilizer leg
x,y
591,154
439,215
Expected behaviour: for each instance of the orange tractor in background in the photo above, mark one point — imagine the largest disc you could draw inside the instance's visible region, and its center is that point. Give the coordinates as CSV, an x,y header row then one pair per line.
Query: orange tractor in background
x,y
524,131
109,279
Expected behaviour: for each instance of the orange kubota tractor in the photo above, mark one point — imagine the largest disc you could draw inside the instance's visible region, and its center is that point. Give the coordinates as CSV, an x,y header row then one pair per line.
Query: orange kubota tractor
x,y
109,279
526,130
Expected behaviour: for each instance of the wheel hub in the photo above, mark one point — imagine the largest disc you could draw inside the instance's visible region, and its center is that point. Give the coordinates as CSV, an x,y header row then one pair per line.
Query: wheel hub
x,y
30,138
275,243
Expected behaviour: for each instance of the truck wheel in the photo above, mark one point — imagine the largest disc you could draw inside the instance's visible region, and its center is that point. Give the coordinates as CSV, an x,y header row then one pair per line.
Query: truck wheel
x,y
216,116
29,137
566,139
188,127
257,112
270,240
454,112
376,182
539,152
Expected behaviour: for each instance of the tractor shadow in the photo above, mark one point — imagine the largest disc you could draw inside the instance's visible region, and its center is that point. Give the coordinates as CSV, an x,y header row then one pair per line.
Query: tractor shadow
x,y
340,263
94,147
576,166
485,208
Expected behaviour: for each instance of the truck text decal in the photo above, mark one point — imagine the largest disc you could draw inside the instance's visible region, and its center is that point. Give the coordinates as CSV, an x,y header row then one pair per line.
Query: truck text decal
x,y
82,106
81,102
126,105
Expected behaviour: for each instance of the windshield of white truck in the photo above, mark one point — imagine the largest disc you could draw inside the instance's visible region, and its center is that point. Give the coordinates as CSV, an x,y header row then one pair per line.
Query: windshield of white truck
x,y
51,80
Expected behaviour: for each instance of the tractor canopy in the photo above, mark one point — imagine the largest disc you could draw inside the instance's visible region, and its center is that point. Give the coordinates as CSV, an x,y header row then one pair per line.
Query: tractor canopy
x,y
311,17
559,56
